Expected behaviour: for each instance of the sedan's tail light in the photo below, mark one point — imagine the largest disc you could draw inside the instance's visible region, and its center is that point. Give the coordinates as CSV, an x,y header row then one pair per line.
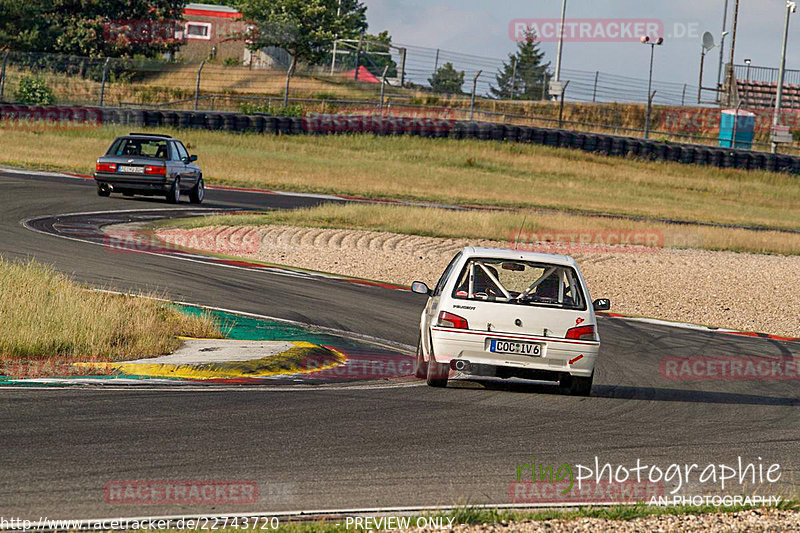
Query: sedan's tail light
x,y
106,167
449,320
155,170
584,333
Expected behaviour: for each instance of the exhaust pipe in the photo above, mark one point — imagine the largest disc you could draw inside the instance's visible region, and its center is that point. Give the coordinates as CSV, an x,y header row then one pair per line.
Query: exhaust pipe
x,y
461,366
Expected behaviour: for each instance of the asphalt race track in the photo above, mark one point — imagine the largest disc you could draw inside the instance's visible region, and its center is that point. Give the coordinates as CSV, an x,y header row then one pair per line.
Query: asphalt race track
x,y
368,444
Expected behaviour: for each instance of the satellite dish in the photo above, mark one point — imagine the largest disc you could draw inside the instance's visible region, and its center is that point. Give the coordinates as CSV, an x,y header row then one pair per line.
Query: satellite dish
x,y
708,41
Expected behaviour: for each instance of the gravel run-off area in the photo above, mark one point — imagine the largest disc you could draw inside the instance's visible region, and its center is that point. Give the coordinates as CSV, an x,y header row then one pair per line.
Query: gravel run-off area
x,y
739,291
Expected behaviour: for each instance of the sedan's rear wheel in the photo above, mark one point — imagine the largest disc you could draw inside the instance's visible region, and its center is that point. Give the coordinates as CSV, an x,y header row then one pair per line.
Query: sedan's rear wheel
x,y
104,192
198,192
174,193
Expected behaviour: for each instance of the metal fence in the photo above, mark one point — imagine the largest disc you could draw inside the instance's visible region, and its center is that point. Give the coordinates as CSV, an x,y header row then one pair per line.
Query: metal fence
x,y
751,73
230,86
83,80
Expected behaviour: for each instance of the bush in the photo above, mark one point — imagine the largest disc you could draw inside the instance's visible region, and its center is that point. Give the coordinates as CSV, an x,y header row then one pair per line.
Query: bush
x,y
34,91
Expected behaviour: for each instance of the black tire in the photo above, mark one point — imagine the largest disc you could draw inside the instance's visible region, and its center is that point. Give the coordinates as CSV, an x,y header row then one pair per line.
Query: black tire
x,y
421,367
437,374
174,193
104,192
575,385
198,192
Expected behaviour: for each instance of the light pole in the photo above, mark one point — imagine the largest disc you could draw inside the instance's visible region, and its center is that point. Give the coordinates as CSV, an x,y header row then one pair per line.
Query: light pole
x,y
658,42
730,74
791,7
722,46
336,41
560,40
747,62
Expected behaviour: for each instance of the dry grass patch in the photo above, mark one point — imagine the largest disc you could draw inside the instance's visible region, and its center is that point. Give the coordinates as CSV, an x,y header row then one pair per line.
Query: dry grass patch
x,y
45,315
177,81
450,171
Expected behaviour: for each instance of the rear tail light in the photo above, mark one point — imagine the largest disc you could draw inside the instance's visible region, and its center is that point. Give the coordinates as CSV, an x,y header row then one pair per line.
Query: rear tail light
x,y
155,170
583,333
106,167
449,320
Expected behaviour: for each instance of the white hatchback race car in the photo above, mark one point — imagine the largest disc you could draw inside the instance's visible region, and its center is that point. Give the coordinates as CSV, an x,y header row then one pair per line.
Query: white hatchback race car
x,y
506,313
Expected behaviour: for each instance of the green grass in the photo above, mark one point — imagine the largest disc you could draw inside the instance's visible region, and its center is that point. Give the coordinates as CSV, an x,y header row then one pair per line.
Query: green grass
x,y
449,171
46,316
477,515
502,226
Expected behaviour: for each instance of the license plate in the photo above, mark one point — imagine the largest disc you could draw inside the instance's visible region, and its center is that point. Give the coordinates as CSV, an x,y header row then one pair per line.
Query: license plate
x,y
131,170
530,349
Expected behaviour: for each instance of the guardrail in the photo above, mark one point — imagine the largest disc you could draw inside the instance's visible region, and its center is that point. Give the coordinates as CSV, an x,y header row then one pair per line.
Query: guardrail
x,y
612,145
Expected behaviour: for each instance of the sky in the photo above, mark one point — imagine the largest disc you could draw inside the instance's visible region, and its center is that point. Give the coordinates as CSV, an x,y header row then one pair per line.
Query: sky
x,y
481,27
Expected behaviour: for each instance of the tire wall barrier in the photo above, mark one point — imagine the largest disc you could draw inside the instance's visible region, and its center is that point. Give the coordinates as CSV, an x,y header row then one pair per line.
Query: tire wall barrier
x,y
613,145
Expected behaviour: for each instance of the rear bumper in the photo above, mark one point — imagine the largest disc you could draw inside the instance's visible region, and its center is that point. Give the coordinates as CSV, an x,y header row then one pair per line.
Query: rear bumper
x,y
560,355
133,183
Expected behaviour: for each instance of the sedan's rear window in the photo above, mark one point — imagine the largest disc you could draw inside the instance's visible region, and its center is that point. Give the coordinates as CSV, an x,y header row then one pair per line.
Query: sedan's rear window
x,y
520,283
153,148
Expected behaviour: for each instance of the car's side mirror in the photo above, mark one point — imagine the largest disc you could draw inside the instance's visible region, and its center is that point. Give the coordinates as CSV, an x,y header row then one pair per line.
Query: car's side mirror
x,y
420,288
603,304
192,158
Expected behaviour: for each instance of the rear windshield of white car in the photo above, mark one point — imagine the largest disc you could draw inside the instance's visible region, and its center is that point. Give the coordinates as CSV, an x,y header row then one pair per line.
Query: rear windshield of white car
x,y
520,283
153,148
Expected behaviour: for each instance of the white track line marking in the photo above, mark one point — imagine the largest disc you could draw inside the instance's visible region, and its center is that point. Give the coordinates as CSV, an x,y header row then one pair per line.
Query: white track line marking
x,y
39,173
26,224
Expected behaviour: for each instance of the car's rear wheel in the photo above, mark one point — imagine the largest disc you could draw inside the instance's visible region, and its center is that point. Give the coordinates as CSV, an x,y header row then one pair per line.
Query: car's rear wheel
x,y
437,373
103,191
198,192
174,193
575,385
421,368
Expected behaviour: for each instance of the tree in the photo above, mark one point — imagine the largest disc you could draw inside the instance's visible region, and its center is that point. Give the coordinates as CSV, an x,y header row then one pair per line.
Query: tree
x,y
447,79
18,28
94,28
306,29
523,76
